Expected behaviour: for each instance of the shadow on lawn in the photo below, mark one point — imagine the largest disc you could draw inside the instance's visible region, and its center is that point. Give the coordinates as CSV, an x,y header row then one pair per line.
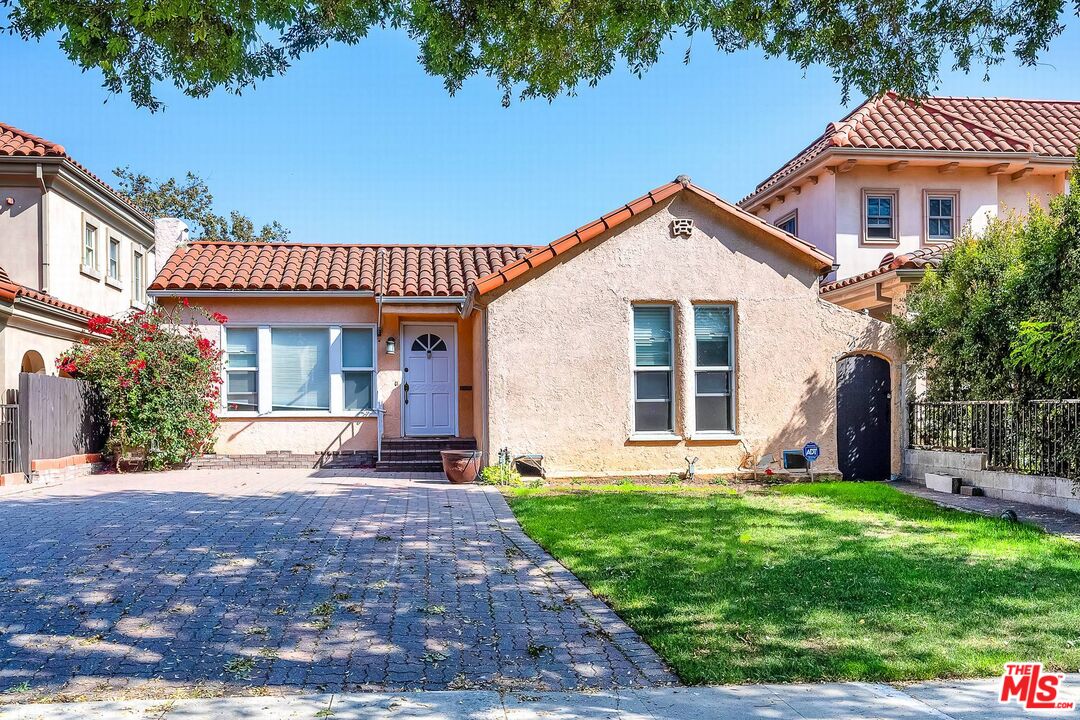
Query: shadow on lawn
x,y
773,589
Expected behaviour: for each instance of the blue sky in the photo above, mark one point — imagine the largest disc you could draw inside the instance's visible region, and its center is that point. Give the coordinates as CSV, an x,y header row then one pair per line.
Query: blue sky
x,y
358,144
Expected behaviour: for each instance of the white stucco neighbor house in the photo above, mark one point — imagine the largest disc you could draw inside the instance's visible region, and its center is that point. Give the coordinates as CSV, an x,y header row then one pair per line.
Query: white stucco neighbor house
x,y
677,326
895,180
71,247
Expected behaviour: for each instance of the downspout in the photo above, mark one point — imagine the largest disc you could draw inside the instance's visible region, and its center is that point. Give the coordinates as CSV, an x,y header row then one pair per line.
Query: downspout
x,y
379,290
44,243
483,440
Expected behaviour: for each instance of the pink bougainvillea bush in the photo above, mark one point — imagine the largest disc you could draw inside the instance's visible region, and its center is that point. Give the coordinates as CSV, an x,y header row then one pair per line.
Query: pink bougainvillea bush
x,y
160,379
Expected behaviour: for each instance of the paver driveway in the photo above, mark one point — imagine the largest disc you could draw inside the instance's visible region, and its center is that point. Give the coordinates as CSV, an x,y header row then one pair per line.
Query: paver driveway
x,y
294,580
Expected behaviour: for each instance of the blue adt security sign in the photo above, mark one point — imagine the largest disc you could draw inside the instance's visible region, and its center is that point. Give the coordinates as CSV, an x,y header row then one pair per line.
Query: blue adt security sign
x,y
811,451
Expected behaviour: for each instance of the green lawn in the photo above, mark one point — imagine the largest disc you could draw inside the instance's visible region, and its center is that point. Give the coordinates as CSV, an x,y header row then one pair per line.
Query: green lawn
x,y
833,581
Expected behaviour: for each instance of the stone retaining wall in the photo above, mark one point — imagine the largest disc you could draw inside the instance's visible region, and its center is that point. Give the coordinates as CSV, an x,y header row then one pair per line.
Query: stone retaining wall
x,y
1052,492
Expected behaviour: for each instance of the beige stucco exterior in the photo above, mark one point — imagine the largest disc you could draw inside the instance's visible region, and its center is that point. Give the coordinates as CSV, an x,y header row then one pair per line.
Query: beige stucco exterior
x,y
245,433
45,204
559,359
830,205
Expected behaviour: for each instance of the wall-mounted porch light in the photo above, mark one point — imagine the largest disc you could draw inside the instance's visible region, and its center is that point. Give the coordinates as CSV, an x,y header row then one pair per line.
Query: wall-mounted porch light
x,y
391,345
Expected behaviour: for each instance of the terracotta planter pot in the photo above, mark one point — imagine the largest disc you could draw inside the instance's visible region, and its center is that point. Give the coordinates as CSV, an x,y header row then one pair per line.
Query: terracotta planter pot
x,y
461,466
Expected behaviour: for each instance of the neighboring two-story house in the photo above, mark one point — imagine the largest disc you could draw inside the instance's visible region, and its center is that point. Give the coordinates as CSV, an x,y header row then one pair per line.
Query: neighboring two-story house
x,y
70,247
889,185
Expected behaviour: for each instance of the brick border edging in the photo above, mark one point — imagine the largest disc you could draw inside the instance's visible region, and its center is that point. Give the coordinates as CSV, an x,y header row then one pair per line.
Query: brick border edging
x,y
625,638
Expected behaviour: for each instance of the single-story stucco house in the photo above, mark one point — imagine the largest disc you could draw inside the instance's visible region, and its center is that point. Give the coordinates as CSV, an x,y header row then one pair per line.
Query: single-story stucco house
x,y
674,327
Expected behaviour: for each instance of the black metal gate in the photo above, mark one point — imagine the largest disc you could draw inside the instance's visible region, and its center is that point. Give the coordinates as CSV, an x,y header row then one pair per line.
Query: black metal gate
x,y
863,417
9,438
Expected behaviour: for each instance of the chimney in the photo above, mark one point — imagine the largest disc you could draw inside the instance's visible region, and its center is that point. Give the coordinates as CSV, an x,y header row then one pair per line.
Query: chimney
x,y
169,234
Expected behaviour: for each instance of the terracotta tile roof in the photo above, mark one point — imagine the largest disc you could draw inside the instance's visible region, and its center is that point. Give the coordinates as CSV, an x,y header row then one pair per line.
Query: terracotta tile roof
x,y
17,143
10,292
1049,128
410,270
920,259
613,219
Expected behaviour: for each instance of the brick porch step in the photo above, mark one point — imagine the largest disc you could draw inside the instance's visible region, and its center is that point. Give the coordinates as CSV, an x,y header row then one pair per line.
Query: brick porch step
x,y
418,454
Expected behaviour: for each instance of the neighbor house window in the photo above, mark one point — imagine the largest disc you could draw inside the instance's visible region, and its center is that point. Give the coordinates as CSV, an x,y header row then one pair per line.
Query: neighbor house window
x,y
358,368
653,359
114,258
242,376
300,365
138,276
714,365
789,223
90,245
879,215
941,216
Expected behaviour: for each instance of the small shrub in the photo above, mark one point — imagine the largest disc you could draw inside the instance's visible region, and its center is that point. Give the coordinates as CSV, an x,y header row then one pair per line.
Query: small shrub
x,y
160,379
500,475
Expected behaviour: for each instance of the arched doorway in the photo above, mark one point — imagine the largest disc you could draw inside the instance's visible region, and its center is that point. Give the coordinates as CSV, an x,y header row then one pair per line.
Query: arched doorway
x,y
864,417
32,362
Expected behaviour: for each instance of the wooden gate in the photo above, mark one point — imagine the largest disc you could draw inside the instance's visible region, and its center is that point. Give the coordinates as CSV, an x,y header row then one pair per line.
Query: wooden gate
x,y
58,417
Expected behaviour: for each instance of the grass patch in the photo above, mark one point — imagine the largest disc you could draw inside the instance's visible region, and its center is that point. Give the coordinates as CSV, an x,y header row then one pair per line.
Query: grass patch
x,y
831,581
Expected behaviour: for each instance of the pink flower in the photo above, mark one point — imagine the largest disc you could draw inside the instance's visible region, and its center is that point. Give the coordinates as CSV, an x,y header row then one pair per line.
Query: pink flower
x,y
219,317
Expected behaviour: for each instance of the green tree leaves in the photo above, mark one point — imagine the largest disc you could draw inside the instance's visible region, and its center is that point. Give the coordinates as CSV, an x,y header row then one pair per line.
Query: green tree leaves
x,y
192,202
1001,318
534,48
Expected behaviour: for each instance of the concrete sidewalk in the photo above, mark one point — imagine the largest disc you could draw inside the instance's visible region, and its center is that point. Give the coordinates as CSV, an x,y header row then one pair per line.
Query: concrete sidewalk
x,y
958,700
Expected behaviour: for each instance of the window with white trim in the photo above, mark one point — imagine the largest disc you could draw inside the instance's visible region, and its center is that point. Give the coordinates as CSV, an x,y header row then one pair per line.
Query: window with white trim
x,y
358,368
789,223
90,245
242,374
138,276
714,366
940,217
114,258
300,367
653,362
319,369
879,216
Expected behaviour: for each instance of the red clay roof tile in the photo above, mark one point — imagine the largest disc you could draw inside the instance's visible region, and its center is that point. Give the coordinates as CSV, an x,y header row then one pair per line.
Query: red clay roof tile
x,y
1049,128
17,143
588,232
920,259
10,292
407,270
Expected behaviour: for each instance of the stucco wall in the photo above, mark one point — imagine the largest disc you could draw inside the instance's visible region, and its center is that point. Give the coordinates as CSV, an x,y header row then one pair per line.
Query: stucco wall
x,y
17,341
66,280
247,435
816,205
19,224
560,365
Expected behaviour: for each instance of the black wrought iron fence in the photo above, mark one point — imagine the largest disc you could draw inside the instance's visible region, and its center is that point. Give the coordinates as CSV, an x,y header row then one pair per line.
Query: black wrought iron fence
x,y
1039,437
9,438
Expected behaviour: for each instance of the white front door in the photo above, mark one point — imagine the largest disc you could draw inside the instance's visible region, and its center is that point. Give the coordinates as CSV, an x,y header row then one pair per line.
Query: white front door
x,y
427,365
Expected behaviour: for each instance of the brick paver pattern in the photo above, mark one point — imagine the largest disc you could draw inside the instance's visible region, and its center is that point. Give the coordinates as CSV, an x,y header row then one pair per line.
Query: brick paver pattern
x,y
292,580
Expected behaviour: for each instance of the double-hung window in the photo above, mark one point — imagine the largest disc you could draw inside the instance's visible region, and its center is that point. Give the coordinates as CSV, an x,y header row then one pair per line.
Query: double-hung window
x,y
653,361
940,217
242,375
714,366
300,368
138,276
879,216
90,245
789,223
358,368
287,369
114,258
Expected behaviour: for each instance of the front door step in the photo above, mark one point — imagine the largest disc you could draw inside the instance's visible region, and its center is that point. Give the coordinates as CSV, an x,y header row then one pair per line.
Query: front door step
x,y
418,454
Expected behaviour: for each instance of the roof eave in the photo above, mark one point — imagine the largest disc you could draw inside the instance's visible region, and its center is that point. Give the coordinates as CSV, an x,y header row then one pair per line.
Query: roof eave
x,y
754,200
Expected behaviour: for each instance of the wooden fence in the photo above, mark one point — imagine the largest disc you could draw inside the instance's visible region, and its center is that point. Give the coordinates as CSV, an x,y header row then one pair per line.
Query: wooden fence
x,y
58,417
